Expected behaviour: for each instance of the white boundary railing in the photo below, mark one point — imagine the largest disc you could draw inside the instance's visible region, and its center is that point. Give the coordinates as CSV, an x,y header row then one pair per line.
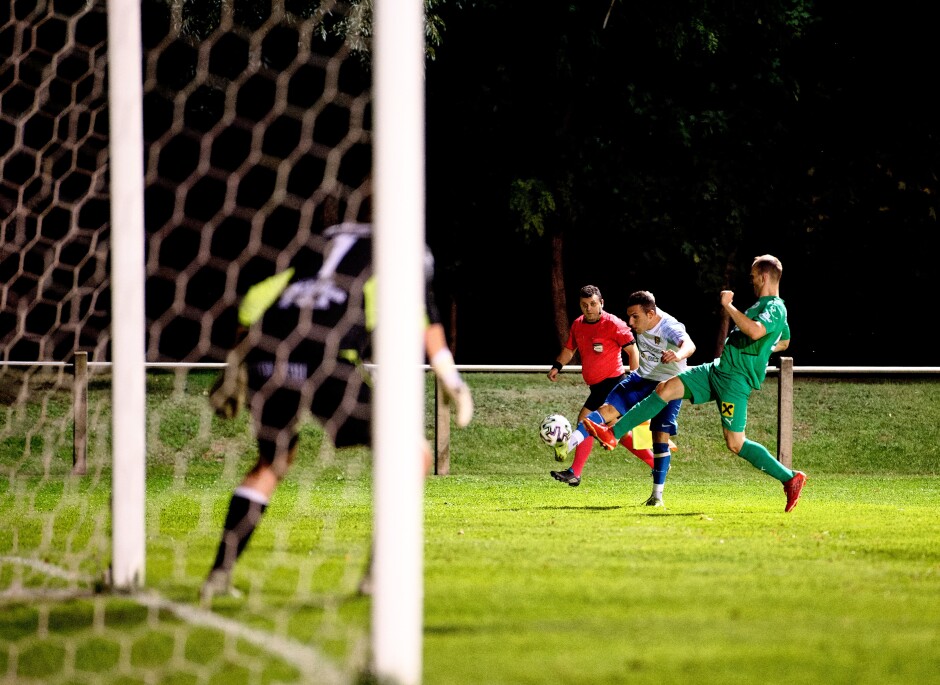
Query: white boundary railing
x,y
535,368
786,371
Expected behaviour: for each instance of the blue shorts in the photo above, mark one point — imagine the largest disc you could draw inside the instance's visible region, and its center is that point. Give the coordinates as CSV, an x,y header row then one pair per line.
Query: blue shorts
x,y
634,388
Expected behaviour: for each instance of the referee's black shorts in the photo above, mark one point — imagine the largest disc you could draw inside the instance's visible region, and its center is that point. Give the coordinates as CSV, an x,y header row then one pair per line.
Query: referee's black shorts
x,y
600,391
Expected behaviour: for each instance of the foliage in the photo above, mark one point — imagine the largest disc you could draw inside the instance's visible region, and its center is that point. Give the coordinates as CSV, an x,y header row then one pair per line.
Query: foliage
x,y
534,204
640,108
350,21
691,136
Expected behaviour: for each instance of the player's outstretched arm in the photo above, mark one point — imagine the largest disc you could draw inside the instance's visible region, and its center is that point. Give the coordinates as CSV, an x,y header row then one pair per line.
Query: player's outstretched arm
x,y
442,362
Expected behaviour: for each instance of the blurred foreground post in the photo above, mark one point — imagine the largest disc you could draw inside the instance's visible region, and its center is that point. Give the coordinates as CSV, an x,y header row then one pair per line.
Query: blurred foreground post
x,y
80,414
785,413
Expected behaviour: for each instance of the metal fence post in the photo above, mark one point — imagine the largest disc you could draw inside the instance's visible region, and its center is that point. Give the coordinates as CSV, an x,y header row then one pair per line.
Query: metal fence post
x,y
785,413
80,413
441,430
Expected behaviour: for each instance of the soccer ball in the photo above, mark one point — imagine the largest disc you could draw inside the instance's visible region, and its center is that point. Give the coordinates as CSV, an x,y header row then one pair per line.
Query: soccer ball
x,y
555,429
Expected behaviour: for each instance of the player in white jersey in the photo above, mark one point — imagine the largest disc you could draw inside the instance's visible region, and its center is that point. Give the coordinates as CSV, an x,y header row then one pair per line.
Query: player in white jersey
x,y
664,346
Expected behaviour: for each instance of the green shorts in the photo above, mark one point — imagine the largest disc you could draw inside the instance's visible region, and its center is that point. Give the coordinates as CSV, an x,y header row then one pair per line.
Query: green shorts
x,y
704,383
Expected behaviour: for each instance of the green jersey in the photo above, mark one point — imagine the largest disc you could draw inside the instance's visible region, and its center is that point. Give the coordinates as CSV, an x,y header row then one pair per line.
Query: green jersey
x,y
747,359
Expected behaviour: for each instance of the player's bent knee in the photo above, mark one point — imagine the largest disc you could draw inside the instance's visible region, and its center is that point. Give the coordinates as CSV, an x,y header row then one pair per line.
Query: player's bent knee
x,y
735,442
670,390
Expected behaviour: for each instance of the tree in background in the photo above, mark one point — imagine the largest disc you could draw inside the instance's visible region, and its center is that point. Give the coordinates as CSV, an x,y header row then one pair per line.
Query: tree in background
x,y
663,145
643,137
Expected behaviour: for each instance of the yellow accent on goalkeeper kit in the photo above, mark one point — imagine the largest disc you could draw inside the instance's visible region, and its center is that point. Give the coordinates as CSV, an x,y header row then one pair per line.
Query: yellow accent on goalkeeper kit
x,y
261,296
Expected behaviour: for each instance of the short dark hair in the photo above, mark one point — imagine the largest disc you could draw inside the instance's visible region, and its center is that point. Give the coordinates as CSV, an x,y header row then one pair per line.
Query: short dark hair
x,y
589,291
644,298
769,265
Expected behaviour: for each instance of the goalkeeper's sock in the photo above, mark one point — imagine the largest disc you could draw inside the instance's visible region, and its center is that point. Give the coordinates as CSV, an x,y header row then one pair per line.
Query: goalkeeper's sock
x,y
643,455
760,458
640,412
244,512
581,454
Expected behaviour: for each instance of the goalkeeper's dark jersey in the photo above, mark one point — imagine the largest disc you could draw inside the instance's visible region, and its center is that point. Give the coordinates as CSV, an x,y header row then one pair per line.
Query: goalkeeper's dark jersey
x,y
309,327
324,305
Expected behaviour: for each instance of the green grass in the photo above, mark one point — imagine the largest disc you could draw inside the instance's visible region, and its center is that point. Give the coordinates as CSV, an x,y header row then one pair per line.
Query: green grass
x,y
585,584
526,580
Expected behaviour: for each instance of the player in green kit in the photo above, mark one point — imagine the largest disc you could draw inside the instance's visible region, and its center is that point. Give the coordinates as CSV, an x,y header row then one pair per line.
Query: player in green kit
x,y
730,379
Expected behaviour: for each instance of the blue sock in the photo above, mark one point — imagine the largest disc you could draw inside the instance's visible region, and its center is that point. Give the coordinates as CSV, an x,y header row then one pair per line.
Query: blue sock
x,y
596,417
661,459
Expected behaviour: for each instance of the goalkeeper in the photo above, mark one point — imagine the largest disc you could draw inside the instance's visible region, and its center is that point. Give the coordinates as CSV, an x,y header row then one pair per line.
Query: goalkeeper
x,y
304,334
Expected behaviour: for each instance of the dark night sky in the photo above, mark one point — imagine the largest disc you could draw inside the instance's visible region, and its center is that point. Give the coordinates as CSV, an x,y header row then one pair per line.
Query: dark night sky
x,y
843,187
869,120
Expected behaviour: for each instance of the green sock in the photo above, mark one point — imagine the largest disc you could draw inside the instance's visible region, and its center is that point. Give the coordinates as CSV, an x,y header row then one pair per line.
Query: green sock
x,y
641,411
761,459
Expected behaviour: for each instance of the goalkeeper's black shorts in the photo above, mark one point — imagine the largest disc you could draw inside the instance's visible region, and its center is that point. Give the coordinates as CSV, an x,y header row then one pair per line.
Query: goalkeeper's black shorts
x,y
337,395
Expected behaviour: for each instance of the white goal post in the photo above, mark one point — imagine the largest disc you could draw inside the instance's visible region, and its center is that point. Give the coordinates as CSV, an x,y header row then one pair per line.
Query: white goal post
x,y
128,320
397,609
398,93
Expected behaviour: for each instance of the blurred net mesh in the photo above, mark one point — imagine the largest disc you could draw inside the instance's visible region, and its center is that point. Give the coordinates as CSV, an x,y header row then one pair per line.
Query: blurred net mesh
x,y
257,136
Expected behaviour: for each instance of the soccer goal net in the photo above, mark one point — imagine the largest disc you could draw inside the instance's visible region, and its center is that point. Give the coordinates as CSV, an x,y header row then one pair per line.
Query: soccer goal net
x,y
255,135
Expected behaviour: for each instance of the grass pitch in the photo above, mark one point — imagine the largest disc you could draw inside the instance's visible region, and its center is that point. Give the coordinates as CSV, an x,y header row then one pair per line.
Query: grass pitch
x,y
527,580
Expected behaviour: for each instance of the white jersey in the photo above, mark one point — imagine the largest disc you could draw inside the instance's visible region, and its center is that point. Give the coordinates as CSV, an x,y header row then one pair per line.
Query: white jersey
x,y
668,334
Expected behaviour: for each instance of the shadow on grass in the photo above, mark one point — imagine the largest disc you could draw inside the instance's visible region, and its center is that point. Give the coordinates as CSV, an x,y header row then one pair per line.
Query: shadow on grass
x,y
573,508
451,630
648,511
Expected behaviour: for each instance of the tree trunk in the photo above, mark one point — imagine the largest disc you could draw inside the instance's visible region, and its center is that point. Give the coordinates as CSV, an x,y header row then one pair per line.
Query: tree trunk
x,y
559,302
724,321
452,325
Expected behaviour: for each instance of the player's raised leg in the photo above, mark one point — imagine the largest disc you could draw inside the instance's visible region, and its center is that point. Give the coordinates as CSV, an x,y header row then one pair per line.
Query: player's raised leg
x,y
581,443
572,474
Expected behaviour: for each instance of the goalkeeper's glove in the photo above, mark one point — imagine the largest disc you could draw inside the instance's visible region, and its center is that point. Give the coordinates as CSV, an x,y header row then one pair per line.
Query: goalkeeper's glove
x,y
230,389
458,392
